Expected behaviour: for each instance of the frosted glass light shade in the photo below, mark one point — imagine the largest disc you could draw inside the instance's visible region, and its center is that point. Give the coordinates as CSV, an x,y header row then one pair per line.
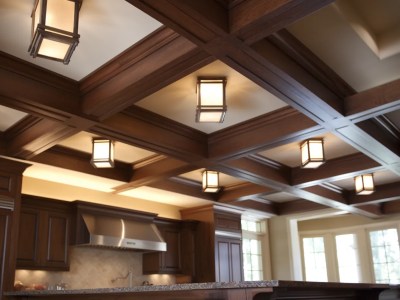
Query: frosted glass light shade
x,y
312,153
210,181
55,29
364,184
102,153
211,103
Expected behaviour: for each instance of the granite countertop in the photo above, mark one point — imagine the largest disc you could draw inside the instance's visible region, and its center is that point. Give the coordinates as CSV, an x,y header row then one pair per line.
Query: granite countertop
x,y
202,286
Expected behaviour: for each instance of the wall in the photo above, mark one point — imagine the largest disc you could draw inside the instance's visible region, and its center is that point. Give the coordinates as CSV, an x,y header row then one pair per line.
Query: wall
x,y
343,221
59,191
96,268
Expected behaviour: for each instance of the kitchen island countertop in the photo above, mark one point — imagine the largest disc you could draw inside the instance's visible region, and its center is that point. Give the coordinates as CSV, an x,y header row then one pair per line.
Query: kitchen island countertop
x,y
227,289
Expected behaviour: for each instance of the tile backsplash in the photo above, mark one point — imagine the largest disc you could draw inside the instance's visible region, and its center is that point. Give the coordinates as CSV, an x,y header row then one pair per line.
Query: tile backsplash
x,y
96,268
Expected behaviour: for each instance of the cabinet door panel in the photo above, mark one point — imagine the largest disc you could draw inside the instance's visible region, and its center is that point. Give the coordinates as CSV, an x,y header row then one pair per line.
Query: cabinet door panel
x,y
28,239
236,261
222,264
172,256
57,240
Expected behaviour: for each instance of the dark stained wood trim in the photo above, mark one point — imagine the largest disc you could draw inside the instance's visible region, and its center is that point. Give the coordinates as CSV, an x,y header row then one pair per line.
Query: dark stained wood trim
x,y
150,65
279,127
254,20
373,102
264,209
138,127
262,175
383,193
392,207
38,74
335,169
292,47
381,135
37,91
297,206
182,187
78,161
40,136
159,170
199,21
297,87
242,192
340,201
255,172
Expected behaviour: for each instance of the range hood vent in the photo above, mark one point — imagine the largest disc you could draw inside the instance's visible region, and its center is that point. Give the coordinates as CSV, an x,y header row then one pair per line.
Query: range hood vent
x,y
115,232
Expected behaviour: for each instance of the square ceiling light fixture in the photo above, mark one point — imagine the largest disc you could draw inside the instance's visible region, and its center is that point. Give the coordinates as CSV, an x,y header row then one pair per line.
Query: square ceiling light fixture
x,y
364,184
55,29
211,103
210,181
102,153
312,153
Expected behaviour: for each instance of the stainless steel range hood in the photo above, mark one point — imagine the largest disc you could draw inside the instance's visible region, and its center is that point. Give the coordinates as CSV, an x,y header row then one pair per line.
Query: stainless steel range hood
x,y
105,231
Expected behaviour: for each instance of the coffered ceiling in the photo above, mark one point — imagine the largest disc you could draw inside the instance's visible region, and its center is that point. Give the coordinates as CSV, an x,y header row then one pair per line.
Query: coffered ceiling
x,y
294,69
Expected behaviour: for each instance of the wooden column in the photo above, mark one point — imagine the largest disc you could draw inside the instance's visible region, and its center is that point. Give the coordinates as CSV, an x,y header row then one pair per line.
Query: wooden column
x,y
10,204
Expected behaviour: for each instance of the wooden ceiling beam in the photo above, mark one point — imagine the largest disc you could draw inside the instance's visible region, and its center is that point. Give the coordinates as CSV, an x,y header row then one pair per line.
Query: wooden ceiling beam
x,y
266,210
373,102
73,160
256,172
33,136
266,176
159,169
242,192
279,127
336,200
147,130
268,17
335,169
177,185
36,91
198,21
293,48
146,67
392,207
383,193
297,206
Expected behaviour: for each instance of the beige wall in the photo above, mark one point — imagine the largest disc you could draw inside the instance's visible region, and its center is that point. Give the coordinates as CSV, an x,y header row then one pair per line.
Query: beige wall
x,y
59,191
341,222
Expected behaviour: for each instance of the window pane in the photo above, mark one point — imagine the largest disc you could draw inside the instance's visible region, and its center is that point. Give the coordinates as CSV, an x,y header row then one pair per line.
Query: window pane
x,y
348,263
252,258
314,259
385,255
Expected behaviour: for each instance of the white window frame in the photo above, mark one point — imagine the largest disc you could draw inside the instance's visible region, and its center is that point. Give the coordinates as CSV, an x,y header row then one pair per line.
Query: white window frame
x,y
369,248
364,248
265,252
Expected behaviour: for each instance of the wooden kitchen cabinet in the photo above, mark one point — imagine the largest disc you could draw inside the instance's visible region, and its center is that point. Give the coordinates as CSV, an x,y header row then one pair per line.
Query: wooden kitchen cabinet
x,y
228,259
179,257
44,234
218,243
